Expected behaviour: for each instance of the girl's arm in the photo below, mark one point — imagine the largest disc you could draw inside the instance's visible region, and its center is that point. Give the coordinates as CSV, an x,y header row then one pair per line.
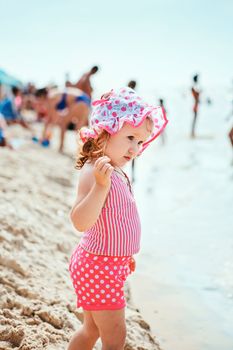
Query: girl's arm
x,y
94,185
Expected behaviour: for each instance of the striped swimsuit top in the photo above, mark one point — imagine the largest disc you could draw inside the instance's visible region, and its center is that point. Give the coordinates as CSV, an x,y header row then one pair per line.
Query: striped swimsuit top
x,y
117,230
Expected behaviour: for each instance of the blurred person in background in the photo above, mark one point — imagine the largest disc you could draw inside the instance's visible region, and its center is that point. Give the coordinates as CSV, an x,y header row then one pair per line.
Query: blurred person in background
x,y
10,109
62,108
163,134
196,91
132,84
84,82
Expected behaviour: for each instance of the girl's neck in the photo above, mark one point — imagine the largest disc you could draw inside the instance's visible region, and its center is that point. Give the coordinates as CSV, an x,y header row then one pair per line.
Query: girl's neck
x,y
124,176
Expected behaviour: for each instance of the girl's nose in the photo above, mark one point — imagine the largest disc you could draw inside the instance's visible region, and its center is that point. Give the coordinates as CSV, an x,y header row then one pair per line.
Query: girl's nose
x,y
134,149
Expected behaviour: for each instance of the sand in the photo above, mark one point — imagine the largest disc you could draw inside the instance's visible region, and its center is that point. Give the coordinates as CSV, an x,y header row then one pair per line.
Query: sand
x,y
37,301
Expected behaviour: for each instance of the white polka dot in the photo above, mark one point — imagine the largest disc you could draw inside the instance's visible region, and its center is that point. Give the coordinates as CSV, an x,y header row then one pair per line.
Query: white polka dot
x,y
97,286
78,273
87,284
87,255
106,268
115,259
96,277
91,271
107,286
92,291
84,298
103,301
117,285
108,296
112,290
79,292
102,291
102,281
117,294
97,296
82,279
86,275
113,300
87,265
122,297
96,267
79,263
95,258
93,300
75,266
101,272
92,281
105,259
110,272
82,269
78,283
83,288
115,268
88,294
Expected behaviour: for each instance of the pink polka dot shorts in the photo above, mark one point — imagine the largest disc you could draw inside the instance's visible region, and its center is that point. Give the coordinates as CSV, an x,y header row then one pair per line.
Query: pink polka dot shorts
x,y
98,280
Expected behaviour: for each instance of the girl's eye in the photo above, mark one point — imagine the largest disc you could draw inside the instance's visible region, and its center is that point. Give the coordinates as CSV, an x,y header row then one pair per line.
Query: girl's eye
x,y
131,138
140,143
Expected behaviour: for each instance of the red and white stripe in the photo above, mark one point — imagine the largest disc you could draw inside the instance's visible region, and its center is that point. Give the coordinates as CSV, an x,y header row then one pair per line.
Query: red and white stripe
x,y
117,231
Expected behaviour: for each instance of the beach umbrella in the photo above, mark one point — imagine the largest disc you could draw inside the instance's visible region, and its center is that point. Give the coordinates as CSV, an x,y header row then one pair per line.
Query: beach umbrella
x,y
9,80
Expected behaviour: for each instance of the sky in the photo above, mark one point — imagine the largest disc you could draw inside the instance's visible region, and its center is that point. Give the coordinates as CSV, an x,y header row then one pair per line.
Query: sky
x,y
159,43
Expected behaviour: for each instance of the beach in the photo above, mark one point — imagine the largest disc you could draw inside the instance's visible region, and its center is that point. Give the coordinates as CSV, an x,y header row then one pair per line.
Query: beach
x,y
38,304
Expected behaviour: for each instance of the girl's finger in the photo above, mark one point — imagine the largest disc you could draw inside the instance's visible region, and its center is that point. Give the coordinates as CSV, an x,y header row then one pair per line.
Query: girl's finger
x,y
100,159
109,170
101,164
106,167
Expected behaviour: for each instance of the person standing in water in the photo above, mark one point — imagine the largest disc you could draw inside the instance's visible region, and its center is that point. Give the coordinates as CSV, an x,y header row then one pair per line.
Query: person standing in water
x,y
132,84
195,90
163,134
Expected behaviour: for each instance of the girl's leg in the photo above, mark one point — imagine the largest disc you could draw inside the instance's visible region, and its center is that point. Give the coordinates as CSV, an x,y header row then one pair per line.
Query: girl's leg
x,y
86,337
112,328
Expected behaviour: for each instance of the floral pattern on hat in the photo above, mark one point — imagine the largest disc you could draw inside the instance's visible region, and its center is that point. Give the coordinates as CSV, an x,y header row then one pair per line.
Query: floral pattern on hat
x,y
123,106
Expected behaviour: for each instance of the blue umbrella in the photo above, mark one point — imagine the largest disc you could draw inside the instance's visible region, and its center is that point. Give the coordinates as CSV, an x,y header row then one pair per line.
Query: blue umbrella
x,y
6,79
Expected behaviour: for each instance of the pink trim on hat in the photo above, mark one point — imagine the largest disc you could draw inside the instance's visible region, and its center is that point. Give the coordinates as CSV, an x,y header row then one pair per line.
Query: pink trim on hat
x,y
123,106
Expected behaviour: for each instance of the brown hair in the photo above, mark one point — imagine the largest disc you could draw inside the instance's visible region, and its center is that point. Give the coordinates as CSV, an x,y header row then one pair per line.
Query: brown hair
x,y
91,149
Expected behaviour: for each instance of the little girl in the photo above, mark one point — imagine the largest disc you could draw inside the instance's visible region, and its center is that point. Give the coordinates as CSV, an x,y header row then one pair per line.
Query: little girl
x,y
122,126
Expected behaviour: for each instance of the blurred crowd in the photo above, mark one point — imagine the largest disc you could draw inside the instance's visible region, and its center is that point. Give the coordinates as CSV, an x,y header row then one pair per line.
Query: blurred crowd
x,y
67,108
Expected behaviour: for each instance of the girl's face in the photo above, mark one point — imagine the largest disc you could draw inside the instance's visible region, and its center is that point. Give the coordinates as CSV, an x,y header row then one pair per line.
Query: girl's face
x,y
127,143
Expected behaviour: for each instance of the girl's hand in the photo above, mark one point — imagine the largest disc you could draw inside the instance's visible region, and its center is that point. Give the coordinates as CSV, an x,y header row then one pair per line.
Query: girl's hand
x,y
132,264
102,171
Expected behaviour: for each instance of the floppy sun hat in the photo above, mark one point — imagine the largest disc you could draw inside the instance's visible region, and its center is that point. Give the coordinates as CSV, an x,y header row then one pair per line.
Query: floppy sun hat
x,y
123,106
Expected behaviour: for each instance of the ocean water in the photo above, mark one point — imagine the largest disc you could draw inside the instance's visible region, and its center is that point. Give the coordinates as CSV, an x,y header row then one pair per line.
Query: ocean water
x,y
184,189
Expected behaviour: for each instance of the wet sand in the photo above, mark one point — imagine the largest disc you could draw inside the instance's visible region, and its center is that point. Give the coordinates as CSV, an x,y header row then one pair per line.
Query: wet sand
x,y
37,301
